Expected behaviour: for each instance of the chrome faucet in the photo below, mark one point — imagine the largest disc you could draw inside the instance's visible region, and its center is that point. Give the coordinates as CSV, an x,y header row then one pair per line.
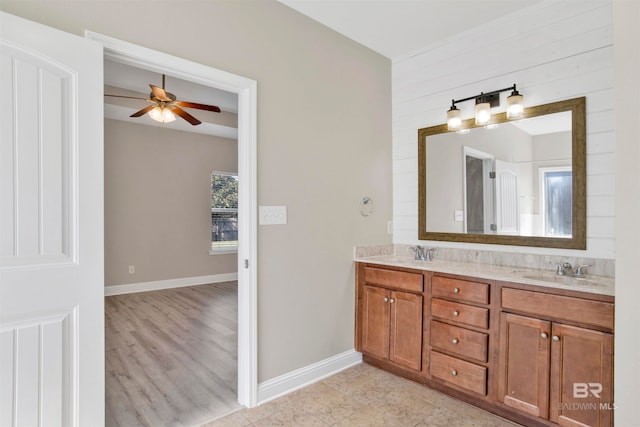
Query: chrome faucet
x,y
423,254
565,269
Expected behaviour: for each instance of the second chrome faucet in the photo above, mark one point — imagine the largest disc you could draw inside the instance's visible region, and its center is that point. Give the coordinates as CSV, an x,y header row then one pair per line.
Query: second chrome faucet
x,y
565,269
422,253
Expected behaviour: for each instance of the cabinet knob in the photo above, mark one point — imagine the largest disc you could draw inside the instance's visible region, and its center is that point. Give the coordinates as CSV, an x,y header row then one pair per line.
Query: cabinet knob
x,y
454,372
556,338
456,313
386,299
544,335
392,301
456,290
454,341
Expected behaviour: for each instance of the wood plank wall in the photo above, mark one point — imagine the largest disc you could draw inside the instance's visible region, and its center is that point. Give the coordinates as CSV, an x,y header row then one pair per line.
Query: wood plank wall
x,y
552,51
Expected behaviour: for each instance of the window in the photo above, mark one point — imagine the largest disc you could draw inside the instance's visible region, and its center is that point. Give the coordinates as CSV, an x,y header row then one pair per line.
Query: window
x,y
556,186
224,212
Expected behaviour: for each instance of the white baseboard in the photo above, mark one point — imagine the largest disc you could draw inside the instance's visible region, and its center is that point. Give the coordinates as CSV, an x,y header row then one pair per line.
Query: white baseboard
x,y
167,284
279,386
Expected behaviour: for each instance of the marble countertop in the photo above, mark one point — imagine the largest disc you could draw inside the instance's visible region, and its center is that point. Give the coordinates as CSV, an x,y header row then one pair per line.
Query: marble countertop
x,y
546,278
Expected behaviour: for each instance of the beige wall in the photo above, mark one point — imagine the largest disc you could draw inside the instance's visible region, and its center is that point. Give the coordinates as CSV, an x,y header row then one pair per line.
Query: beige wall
x,y
324,142
157,190
626,16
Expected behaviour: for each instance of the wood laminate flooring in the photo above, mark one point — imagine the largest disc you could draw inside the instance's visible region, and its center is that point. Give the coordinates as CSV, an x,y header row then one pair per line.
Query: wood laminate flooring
x,y
171,356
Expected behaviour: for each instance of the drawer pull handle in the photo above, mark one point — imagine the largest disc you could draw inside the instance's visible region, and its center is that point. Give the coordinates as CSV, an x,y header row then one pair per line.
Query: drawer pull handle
x,y
544,335
456,313
386,299
454,341
556,338
456,290
454,372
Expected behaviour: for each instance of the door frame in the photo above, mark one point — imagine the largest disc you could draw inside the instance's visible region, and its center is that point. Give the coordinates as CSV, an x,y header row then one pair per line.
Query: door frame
x,y
246,89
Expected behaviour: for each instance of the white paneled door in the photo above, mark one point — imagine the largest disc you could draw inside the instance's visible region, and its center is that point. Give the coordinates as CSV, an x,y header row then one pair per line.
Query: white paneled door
x,y
51,227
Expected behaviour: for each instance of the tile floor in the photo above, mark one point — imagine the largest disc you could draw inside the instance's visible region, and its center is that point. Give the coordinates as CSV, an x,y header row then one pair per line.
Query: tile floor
x,y
363,396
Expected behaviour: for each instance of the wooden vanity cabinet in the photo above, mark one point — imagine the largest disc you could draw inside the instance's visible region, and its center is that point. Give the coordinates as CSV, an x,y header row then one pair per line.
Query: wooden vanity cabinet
x,y
538,356
552,370
390,315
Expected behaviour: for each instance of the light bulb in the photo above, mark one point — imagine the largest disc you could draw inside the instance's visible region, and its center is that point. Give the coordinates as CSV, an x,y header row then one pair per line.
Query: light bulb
x,y
483,113
162,115
454,119
515,105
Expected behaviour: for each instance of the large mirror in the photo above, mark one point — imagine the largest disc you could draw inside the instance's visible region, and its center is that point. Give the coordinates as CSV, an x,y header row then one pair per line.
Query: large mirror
x,y
512,182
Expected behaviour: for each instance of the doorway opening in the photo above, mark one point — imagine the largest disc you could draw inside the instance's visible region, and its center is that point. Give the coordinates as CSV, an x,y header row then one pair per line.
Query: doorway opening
x,y
478,195
246,91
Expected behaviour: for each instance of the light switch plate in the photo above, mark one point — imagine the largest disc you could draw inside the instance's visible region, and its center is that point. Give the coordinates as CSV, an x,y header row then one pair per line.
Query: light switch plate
x,y
272,215
458,216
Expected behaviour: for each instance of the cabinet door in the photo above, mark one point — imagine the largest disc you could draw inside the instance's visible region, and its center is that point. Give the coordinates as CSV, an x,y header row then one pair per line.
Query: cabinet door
x,y
523,372
406,329
375,328
581,377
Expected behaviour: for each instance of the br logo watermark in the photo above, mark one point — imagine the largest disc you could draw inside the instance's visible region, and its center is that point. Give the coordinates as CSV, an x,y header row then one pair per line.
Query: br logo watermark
x,y
584,390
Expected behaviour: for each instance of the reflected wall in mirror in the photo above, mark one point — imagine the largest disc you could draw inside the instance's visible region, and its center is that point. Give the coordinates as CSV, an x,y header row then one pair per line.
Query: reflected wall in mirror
x,y
512,182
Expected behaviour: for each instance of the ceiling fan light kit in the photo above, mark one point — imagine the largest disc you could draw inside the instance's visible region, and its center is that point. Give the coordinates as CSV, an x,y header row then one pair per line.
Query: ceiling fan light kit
x,y
162,115
165,106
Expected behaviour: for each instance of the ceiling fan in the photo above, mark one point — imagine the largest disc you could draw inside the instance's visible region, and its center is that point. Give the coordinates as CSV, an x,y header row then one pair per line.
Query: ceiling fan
x,y
164,106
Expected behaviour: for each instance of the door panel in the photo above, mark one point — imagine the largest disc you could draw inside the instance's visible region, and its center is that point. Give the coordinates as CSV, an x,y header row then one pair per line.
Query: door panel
x,y
36,187
51,221
507,212
523,375
376,322
406,329
581,377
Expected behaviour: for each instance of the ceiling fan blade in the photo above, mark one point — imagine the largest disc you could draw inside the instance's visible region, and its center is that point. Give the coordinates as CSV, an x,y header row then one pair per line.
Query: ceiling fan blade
x,y
159,93
198,106
142,112
188,117
129,97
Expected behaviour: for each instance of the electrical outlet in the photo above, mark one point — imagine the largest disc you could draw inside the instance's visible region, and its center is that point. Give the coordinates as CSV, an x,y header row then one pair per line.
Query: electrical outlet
x,y
132,269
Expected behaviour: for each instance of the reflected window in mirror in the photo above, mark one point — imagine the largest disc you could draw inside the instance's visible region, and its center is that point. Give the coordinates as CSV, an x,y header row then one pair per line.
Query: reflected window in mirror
x,y
556,201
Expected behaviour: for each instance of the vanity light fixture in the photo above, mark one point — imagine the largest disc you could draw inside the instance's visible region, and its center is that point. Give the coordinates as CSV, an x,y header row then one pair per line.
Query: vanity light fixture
x,y
484,103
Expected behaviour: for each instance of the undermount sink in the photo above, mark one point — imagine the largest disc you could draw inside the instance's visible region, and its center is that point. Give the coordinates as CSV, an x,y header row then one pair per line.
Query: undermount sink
x,y
566,280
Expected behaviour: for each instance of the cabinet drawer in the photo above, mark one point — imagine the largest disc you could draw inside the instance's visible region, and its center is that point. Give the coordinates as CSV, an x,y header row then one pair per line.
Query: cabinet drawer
x,y
459,372
459,341
458,312
556,307
462,290
393,279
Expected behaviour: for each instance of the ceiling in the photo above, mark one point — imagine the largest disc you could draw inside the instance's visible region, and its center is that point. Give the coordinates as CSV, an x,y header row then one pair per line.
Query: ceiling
x,y
394,28
400,28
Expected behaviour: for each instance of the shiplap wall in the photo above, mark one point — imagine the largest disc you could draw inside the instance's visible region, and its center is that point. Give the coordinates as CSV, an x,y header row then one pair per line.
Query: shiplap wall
x,y
552,51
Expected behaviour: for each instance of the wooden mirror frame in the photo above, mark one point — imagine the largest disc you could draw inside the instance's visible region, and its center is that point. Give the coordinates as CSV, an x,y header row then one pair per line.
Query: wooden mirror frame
x,y
578,239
